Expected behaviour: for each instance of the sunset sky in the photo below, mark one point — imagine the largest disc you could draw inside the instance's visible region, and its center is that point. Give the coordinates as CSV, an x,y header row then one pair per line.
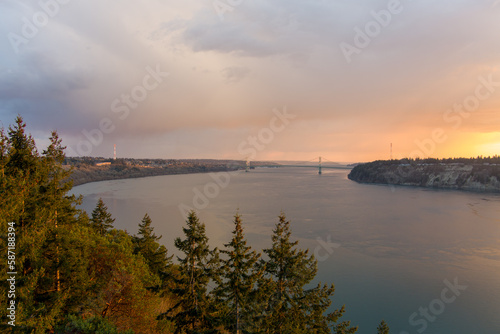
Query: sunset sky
x,y
268,80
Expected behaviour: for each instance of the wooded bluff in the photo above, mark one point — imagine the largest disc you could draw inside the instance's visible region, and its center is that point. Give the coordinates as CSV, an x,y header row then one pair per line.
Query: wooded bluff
x,y
474,174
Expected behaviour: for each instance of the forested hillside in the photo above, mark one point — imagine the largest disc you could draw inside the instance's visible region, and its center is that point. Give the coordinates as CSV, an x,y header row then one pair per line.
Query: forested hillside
x,y
68,271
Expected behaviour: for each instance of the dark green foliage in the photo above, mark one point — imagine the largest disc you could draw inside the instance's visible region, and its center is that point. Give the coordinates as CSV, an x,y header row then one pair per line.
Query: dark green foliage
x,y
235,293
289,306
344,327
101,220
155,255
96,325
383,328
23,156
33,196
59,259
194,311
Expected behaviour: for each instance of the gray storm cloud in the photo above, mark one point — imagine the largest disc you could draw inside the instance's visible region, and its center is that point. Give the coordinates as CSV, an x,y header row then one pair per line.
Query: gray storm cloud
x,y
408,61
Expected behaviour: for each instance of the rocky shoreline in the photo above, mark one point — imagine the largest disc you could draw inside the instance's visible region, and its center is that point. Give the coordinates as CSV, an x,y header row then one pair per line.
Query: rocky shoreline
x,y
469,175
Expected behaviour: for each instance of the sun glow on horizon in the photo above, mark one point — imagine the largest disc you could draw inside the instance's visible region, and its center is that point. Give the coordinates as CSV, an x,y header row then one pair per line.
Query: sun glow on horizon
x,y
491,145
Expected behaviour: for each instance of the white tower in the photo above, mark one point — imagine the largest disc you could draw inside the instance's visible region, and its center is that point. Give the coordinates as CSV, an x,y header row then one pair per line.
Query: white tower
x,y
114,151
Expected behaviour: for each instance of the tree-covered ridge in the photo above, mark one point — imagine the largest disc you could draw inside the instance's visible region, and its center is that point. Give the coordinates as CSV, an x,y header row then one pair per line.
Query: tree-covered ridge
x,y
475,174
77,273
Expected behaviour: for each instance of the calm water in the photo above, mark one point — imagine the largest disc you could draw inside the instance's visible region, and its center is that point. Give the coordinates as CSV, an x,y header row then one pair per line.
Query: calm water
x,y
388,250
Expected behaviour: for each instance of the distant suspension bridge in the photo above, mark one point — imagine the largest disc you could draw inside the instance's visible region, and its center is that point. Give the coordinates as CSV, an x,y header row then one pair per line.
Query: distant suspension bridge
x,y
319,165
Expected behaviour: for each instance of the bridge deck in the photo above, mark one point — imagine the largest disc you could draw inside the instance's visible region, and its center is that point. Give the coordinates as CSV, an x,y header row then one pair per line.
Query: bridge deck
x,y
306,166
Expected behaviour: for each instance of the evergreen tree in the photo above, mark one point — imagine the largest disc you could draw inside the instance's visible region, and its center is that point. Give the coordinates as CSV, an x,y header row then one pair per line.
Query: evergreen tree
x,y
146,244
383,328
65,267
101,219
239,277
291,308
56,183
33,197
193,311
55,206
343,327
21,169
23,155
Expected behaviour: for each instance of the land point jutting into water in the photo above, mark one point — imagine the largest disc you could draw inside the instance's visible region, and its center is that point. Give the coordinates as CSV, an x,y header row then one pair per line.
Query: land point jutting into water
x,y
474,174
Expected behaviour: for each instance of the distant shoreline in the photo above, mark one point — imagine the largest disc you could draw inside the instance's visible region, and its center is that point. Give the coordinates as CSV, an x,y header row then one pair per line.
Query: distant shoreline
x,y
91,177
88,170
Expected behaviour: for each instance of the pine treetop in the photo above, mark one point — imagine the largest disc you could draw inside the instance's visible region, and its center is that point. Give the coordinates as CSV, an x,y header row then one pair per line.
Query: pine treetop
x,y
101,220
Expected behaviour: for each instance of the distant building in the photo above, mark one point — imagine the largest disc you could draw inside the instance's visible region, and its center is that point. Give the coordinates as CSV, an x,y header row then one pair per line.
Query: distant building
x,y
103,163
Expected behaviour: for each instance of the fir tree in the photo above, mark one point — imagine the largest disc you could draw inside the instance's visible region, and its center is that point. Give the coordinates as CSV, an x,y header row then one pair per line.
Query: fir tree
x,y
146,244
55,206
101,220
193,311
290,307
33,197
22,168
383,328
239,277
23,156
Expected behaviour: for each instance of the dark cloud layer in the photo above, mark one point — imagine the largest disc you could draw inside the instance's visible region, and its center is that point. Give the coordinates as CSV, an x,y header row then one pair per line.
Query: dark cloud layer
x,y
226,76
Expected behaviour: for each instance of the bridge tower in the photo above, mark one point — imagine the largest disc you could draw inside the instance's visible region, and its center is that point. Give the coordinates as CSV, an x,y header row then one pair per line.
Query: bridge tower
x,y
319,172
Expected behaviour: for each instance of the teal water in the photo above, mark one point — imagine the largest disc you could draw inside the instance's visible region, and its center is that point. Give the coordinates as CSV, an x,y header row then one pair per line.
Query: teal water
x,y
392,252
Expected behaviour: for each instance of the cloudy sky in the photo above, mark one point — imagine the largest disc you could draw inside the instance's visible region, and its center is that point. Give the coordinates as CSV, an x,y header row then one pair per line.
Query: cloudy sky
x,y
280,79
